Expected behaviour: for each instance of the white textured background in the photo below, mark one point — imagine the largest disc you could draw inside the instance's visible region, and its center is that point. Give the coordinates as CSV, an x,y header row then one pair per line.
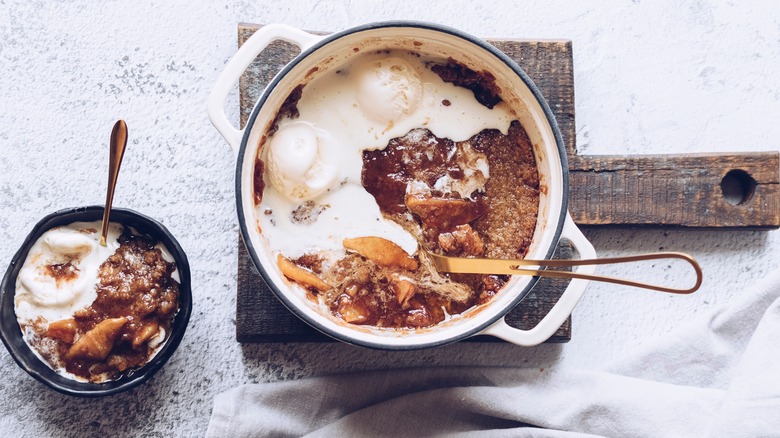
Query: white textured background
x,y
651,77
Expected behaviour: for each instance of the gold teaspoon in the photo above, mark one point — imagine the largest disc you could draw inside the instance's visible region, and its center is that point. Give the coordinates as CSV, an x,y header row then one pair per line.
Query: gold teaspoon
x,y
118,143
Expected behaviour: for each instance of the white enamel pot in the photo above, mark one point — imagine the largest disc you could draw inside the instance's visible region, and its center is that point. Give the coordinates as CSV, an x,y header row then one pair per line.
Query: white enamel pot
x,y
318,54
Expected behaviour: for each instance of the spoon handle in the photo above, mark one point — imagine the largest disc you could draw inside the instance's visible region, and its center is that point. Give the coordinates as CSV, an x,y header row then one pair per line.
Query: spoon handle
x,y
117,152
518,267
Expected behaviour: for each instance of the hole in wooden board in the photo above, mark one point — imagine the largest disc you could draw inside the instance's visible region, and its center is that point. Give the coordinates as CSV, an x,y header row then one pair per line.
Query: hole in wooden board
x,y
737,187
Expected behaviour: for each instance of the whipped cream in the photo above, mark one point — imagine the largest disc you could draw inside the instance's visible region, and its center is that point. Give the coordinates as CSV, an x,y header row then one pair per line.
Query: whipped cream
x,y
318,156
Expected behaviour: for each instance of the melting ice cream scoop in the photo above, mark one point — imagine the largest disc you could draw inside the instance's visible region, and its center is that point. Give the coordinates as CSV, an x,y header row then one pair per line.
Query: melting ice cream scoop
x,y
64,245
388,89
302,161
41,293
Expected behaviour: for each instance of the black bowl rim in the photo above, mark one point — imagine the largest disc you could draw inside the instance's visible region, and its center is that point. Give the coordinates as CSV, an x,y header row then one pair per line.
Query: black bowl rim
x,y
20,351
510,64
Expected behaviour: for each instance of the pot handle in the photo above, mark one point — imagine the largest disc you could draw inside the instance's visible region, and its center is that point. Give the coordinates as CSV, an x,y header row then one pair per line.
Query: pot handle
x,y
565,305
236,66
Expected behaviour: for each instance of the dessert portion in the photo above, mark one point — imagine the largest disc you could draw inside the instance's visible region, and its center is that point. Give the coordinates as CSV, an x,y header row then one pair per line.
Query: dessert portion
x,y
95,313
475,198
388,154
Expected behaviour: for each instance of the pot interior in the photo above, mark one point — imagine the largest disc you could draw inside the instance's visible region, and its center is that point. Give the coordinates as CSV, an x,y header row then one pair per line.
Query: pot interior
x,y
332,52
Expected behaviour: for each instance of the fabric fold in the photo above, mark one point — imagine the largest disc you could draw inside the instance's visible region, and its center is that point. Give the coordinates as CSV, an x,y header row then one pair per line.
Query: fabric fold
x,y
718,375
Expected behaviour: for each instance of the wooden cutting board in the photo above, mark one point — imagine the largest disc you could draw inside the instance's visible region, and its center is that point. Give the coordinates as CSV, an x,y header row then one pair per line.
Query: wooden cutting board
x,y
740,190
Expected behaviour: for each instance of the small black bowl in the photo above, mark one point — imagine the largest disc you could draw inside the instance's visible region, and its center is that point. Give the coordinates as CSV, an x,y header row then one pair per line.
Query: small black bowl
x,y
11,334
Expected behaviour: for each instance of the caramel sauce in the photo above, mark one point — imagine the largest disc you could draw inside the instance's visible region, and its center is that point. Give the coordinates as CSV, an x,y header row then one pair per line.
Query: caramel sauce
x,y
258,185
419,156
482,84
62,272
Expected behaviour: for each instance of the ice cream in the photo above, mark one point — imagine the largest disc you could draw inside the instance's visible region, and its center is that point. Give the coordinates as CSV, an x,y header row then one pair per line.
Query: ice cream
x,y
303,161
61,271
317,157
388,89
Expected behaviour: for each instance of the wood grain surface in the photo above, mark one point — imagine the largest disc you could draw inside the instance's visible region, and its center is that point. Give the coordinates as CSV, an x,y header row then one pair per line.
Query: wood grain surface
x,y
676,190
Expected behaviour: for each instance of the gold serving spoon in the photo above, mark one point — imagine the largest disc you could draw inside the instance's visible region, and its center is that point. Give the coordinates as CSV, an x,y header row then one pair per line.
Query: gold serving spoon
x,y
117,151
518,267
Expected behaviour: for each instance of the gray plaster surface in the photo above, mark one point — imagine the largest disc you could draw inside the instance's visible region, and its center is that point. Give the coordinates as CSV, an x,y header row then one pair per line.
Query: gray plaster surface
x,y
651,77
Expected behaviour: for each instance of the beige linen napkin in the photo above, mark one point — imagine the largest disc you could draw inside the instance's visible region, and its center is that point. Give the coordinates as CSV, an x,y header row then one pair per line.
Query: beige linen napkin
x,y
719,375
